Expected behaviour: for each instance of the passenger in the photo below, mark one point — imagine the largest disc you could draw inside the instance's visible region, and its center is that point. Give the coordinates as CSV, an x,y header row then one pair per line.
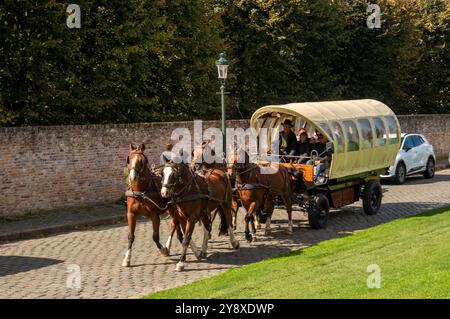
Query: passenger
x,y
299,133
167,155
352,135
339,137
288,140
303,147
324,157
321,143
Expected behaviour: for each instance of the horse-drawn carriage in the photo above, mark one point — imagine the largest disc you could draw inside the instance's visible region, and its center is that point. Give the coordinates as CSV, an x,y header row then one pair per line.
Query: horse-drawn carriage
x,y
363,135
363,139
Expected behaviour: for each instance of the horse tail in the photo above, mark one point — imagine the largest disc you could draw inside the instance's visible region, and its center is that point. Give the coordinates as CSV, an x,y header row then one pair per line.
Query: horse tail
x,y
223,228
224,221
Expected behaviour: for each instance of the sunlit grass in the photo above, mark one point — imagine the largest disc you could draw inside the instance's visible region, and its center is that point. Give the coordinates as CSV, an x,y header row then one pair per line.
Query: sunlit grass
x,y
413,254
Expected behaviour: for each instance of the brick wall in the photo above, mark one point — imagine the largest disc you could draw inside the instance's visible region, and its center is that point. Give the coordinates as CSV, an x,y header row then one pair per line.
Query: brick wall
x,y
50,167
435,127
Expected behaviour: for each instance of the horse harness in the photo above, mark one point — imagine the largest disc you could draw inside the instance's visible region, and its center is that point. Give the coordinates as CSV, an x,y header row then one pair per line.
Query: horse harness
x,y
145,195
181,196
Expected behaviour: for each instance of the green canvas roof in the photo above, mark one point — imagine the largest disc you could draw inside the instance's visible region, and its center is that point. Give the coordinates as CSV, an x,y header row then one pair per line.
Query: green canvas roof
x,y
374,144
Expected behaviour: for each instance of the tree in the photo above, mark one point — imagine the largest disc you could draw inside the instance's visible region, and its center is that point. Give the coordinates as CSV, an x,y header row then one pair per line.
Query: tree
x,y
283,51
430,92
129,62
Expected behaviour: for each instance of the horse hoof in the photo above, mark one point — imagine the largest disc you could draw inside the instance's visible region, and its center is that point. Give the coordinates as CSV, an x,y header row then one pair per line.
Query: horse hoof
x,y
180,267
267,232
203,255
248,237
126,263
199,255
289,231
258,226
254,238
236,245
165,252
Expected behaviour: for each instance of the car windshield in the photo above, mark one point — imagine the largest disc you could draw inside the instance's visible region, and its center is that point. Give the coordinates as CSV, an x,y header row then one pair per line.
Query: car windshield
x,y
401,141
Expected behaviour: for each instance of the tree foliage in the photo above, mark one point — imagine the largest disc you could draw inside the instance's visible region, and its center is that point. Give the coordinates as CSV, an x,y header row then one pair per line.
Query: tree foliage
x,y
153,60
130,61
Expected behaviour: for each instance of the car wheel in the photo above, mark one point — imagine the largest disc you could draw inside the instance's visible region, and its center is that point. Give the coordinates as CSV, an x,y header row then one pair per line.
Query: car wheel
x,y
372,195
400,174
429,171
318,209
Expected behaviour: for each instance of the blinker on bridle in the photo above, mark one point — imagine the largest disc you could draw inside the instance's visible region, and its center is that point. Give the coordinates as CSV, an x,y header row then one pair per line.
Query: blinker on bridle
x,y
138,171
176,178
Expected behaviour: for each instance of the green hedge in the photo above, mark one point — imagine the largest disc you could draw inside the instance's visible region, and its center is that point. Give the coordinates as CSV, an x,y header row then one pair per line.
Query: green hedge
x,y
153,60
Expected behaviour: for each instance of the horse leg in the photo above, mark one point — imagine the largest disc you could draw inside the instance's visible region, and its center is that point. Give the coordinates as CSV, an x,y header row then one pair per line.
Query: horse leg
x,y
180,232
131,228
248,219
228,216
166,249
257,223
190,225
268,209
233,242
156,223
288,203
206,235
212,220
234,209
253,217
195,250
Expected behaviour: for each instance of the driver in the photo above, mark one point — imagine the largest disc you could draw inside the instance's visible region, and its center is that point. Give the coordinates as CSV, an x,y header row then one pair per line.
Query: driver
x,y
288,140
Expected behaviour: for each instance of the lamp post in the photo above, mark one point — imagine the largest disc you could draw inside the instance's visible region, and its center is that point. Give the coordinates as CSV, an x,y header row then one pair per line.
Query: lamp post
x,y
222,67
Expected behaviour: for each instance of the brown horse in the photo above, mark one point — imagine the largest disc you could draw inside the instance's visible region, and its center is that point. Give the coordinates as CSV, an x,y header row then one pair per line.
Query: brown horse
x,y
193,198
210,168
144,199
257,187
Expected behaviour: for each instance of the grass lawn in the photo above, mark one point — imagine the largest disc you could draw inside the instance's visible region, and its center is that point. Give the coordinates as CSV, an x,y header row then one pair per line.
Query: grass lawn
x,y
413,254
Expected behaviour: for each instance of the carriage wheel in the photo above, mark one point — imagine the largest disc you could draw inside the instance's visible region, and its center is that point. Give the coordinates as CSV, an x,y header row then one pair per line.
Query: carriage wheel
x,y
372,197
318,210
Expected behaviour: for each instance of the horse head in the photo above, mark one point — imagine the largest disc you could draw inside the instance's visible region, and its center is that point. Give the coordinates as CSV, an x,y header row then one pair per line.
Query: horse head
x,y
238,160
174,175
137,164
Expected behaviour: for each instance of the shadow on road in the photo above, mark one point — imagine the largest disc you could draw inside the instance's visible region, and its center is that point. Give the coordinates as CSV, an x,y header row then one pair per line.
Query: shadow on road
x,y
402,209
10,265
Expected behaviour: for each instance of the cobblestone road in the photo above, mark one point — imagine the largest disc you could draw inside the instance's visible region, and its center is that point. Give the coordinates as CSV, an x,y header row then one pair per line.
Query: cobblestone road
x,y
38,268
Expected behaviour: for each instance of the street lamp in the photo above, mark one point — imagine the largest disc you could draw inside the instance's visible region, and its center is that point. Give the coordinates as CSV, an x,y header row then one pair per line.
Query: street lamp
x,y
222,68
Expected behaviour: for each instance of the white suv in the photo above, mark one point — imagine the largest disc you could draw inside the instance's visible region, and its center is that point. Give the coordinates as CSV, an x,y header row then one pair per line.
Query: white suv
x,y
415,156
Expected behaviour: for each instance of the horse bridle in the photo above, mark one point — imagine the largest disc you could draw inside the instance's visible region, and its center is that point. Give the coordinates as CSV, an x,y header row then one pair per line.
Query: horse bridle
x,y
139,172
176,180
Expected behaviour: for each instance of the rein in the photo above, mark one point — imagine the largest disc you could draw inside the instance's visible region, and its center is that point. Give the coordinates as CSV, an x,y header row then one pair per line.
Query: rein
x,y
248,186
181,196
151,177
144,195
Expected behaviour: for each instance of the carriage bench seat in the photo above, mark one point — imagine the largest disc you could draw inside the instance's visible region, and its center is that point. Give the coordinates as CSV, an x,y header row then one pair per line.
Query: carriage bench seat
x,y
306,170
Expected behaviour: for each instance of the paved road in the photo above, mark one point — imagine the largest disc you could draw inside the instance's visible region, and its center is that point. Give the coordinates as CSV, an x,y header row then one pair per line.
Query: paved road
x,y
38,268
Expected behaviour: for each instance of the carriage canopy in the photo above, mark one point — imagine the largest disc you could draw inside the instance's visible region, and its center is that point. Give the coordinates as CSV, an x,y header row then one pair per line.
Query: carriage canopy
x,y
365,134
